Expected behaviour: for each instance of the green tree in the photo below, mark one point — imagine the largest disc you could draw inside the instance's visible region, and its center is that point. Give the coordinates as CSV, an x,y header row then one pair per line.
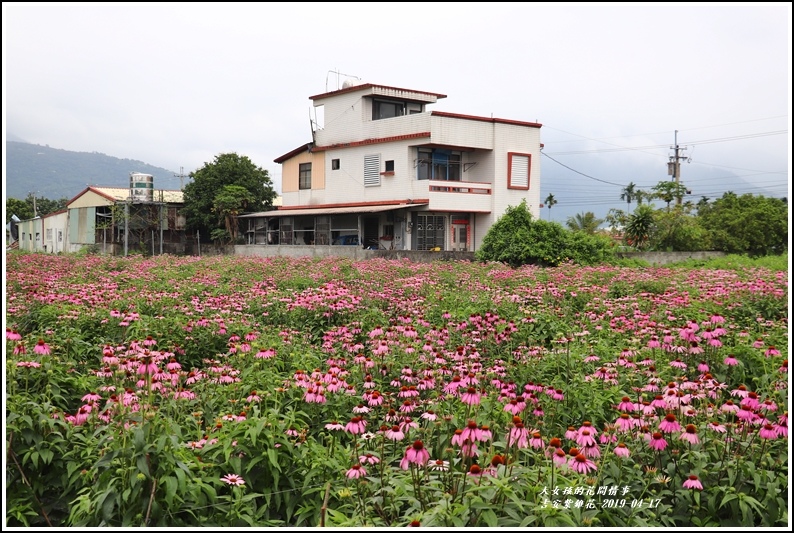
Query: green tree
x,y
629,193
678,231
586,222
230,202
667,191
517,239
20,208
550,201
209,181
639,227
24,208
747,224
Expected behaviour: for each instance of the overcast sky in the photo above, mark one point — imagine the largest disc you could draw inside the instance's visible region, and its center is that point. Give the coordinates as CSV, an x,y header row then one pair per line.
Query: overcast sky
x,y
174,85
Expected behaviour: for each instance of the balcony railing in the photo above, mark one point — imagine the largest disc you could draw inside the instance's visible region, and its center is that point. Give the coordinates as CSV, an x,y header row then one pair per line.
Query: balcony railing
x,y
465,187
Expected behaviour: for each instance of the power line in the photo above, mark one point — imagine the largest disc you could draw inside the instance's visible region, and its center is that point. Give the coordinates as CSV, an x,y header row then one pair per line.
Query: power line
x,y
581,173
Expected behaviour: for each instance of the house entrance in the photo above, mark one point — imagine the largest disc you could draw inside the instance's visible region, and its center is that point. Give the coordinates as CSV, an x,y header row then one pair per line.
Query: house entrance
x,y
371,233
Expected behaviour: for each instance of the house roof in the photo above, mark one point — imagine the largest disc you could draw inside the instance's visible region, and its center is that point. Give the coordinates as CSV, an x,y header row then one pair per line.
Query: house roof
x,y
383,90
116,194
486,119
292,153
336,210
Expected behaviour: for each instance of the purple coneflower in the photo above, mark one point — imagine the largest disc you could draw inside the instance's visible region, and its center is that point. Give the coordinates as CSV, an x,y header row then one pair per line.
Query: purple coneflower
x,y
669,424
233,479
693,482
415,454
621,450
657,442
356,471
768,432
471,396
394,433
581,464
41,348
690,434
356,425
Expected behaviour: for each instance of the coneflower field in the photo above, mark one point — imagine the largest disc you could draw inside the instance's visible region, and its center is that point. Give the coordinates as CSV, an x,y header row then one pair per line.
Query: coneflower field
x,y
229,391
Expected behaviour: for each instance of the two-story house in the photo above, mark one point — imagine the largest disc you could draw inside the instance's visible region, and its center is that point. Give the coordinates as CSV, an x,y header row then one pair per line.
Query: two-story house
x,y
384,171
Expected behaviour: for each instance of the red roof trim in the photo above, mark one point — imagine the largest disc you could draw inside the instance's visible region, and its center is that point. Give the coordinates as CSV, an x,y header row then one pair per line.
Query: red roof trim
x,y
289,155
376,141
95,191
420,201
486,119
355,88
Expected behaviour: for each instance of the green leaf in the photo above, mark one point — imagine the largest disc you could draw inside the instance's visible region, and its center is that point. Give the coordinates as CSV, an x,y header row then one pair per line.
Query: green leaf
x,y
171,485
142,465
489,517
727,498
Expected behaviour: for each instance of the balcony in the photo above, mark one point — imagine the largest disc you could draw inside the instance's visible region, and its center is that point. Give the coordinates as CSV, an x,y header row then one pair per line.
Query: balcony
x,y
460,196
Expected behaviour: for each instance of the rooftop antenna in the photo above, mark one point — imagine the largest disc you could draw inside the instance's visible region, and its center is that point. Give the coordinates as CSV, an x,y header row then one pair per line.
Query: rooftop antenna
x,y
181,177
337,78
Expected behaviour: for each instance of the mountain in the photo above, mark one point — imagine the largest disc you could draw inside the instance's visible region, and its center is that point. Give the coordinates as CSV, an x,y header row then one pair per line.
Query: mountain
x,y
55,174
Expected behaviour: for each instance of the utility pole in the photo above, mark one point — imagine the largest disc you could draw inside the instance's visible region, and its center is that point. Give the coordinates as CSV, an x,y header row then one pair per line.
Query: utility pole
x,y
674,165
181,177
35,212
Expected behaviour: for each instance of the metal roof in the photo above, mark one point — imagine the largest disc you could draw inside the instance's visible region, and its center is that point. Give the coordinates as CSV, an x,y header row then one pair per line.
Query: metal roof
x,y
329,210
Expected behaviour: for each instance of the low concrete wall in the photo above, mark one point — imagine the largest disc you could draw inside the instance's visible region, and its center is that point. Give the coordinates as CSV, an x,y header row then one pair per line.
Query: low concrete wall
x,y
664,258
351,252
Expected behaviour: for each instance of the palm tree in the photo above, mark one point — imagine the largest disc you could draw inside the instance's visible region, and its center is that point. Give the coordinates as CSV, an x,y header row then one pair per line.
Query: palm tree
x,y
629,193
550,201
586,222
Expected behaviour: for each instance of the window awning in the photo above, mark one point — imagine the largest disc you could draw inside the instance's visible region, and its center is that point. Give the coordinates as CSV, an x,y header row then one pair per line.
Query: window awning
x,y
330,210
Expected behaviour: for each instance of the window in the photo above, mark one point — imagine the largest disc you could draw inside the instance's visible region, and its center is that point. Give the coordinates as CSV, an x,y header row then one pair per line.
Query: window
x,y
438,164
49,234
387,109
518,171
305,176
390,166
371,170
335,164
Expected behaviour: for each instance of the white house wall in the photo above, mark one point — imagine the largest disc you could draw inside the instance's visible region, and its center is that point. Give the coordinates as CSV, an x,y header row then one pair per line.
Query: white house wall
x,y
55,233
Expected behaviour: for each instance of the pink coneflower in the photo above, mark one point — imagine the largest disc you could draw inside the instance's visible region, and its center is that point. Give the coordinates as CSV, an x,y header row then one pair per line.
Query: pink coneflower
x,y
471,396
669,424
658,401
472,432
621,450
394,433
334,426
585,438
740,391
626,405
356,471
559,457
690,434
768,405
771,351
91,397
624,422
581,464
571,434
13,335
745,414
356,425
439,465
591,358
703,367
253,397
147,365
415,454
518,435
729,407
149,341
368,458
730,361
361,409
429,415
265,354
41,348
750,401
693,482
536,441
678,363
233,479
768,432
657,442
716,426
784,367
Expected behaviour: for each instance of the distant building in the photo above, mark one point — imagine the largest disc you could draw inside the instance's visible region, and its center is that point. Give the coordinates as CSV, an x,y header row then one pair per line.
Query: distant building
x,y
386,172
110,220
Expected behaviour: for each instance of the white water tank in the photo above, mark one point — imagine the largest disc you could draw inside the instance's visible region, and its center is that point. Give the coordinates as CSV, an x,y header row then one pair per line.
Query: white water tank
x,y
141,187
